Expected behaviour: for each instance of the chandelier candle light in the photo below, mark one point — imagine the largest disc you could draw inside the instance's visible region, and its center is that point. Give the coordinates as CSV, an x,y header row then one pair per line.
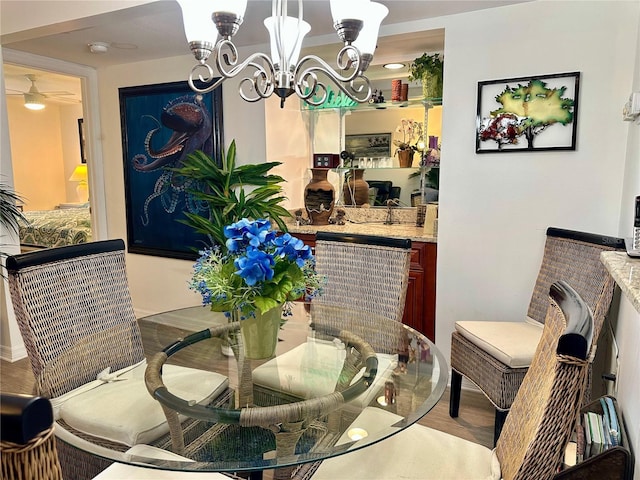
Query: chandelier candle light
x,y
356,22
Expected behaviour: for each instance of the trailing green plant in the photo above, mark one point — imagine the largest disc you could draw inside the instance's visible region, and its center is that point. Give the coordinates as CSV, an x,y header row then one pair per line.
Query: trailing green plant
x,y
222,188
426,64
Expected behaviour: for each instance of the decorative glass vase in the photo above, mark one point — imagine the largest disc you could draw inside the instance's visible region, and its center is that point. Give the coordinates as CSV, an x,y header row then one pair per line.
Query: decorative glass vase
x,y
260,333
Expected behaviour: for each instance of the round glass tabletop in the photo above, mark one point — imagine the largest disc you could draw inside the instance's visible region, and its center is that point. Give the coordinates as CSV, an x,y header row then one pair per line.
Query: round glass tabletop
x,y
340,380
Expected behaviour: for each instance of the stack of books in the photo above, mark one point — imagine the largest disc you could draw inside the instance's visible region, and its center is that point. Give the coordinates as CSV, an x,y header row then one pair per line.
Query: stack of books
x,y
597,432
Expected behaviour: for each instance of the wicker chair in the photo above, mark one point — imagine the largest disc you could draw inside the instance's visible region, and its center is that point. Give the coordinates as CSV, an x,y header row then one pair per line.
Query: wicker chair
x,y
28,447
496,355
76,318
365,273
535,433
27,443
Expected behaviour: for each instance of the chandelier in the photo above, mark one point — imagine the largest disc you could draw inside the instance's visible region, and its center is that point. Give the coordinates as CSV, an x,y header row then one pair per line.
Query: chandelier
x,y
356,22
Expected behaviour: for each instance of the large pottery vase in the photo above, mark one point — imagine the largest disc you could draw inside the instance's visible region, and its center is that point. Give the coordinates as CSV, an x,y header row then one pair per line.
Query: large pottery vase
x,y
356,188
319,197
405,157
260,333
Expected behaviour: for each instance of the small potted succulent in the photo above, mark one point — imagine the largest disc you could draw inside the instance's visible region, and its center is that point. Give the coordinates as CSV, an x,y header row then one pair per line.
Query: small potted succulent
x,y
428,69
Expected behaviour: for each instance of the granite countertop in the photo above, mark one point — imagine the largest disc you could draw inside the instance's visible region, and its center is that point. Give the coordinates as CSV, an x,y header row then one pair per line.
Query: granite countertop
x,y
370,221
626,272
402,230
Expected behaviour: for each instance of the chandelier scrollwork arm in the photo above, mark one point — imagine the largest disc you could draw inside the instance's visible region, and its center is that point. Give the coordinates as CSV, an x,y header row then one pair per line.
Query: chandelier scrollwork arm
x,y
226,60
355,84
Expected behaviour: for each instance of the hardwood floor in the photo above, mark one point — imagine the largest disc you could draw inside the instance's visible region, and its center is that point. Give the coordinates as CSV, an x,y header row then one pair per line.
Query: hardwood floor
x,y
475,422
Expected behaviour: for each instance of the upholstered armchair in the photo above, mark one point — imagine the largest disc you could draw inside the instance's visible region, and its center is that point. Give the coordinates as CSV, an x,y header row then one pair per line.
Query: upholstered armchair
x,y
495,356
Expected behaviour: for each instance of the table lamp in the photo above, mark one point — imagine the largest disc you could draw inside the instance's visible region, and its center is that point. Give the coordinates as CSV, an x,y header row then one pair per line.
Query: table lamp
x,y
80,175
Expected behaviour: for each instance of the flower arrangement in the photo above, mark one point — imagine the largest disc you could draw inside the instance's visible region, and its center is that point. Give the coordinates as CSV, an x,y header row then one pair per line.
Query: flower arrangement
x,y
411,130
259,270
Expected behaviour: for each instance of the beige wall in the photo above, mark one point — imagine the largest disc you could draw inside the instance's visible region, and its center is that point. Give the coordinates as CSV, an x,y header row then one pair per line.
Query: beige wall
x,y
157,283
45,149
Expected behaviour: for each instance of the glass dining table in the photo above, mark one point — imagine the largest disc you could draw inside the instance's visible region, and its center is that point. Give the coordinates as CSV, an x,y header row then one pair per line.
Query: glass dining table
x,y
308,403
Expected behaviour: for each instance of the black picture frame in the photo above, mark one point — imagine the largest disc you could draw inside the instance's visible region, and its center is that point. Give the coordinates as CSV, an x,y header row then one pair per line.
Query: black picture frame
x,y
503,124
368,145
81,138
161,124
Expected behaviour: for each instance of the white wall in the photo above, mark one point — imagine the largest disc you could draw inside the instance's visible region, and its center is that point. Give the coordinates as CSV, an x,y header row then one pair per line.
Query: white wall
x,y
627,323
157,283
494,208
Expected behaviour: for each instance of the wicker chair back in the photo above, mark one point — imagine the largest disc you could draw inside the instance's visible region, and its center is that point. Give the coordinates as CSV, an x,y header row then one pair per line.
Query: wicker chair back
x,y
368,274
575,258
75,313
544,411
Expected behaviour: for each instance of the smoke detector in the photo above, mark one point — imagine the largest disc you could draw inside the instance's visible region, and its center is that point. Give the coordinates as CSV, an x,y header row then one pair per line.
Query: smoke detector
x,y
98,47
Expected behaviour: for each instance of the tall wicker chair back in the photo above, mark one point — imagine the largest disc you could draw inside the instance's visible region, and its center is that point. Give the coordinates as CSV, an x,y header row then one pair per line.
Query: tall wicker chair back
x,y
544,412
368,274
364,272
27,443
569,255
76,317
535,433
75,313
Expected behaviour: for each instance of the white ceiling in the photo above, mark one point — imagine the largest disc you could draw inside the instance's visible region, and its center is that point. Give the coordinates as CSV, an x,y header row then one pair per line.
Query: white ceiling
x,y
154,30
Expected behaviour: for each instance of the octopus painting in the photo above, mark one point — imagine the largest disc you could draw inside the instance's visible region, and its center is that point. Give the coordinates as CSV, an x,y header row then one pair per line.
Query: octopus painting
x,y
190,127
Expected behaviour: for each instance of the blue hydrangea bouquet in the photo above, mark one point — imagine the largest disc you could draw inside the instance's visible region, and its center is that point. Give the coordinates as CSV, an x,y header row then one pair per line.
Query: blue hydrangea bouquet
x,y
257,270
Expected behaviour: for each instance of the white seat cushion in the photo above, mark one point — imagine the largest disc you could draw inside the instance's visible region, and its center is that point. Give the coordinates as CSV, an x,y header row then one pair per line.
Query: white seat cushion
x,y
123,411
119,471
312,369
512,343
418,453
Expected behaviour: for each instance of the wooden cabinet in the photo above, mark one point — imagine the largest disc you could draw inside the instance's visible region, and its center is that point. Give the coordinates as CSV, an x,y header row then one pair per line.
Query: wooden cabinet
x,y
420,305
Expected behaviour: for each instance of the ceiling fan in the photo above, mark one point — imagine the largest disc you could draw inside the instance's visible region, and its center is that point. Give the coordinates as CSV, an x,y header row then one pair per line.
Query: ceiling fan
x,y
34,98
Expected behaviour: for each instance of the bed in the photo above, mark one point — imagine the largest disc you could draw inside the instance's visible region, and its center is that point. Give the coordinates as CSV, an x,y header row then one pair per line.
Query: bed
x,y
55,228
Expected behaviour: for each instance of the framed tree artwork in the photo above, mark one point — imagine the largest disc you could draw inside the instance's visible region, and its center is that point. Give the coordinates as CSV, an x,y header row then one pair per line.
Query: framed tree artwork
x,y
161,125
528,113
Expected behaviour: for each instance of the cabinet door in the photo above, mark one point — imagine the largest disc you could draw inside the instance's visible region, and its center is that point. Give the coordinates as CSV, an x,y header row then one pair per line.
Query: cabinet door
x,y
413,306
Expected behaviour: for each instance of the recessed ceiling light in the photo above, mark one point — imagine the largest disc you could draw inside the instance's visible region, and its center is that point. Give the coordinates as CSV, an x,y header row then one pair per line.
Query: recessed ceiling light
x,y
98,47
394,66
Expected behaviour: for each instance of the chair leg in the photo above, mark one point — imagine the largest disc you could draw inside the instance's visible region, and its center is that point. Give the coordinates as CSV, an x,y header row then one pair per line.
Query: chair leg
x,y
499,422
454,396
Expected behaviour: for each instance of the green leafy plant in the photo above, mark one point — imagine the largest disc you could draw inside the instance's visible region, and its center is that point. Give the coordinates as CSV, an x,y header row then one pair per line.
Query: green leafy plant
x,y
10,214
222,188
428,69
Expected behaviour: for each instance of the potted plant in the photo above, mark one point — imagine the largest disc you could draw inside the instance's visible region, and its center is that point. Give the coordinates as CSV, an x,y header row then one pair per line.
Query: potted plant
x,y
411,131
222,188
428,69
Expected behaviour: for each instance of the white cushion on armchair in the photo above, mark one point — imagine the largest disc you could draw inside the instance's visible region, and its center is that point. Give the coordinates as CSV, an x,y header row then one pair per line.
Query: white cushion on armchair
x,y
418,453
123,411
